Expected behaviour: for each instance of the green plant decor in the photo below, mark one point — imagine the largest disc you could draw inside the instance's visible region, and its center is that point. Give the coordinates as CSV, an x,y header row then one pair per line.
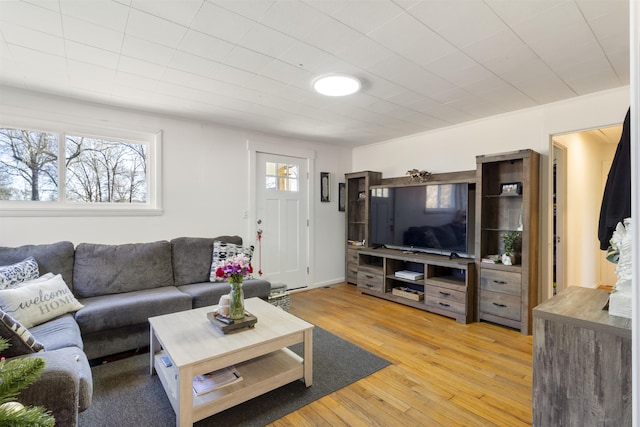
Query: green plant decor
x,y
511,240
16,374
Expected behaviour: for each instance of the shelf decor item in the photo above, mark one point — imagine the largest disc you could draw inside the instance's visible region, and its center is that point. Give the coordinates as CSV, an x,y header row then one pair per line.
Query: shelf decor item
x,y
511,189
620,298
416,175
510,240
235,269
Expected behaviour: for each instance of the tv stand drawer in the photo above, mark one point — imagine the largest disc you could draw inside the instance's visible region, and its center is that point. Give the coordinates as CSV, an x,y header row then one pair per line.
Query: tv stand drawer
x,y
370,281
499,304
506,282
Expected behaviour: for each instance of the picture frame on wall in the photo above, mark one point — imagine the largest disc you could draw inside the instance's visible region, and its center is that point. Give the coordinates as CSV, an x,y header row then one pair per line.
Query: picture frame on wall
x,y
324,187
342,196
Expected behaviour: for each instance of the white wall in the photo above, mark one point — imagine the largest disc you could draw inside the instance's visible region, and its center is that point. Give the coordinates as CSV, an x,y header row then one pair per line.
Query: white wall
x,y
455,148
205,184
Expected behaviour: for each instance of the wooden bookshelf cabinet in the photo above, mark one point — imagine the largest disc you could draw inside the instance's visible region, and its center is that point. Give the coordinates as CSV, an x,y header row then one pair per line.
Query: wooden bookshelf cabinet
x,y
447,287
507,293
357,210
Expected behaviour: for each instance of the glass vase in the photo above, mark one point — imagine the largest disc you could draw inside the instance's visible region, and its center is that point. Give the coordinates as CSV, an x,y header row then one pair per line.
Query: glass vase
x,y
236,301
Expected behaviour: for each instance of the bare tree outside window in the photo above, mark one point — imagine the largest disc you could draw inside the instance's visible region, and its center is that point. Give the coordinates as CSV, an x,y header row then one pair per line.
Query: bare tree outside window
x,y
105,171
96,170
28,165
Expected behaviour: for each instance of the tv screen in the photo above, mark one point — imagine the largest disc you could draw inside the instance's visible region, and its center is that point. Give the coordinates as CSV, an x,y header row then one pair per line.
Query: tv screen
x,y
431,218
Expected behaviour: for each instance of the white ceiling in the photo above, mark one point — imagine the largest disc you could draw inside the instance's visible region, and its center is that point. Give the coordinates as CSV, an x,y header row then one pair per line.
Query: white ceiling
x,y
425,64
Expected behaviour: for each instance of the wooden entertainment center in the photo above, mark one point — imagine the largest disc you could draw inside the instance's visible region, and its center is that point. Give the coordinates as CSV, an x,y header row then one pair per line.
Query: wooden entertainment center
x,y
464,288
447,287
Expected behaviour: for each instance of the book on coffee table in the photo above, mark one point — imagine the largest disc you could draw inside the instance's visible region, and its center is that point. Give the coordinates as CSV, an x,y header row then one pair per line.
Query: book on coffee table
x,y
214,380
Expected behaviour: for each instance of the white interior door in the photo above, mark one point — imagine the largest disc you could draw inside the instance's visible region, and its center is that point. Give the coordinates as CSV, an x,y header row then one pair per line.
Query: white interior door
x,y
559,200
608,275
282,214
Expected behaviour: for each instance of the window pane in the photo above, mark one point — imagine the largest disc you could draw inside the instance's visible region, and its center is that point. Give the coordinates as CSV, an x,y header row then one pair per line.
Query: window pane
x,y
271,183
432,197
101,171
446,197
282,176
439,196
271,168
28,165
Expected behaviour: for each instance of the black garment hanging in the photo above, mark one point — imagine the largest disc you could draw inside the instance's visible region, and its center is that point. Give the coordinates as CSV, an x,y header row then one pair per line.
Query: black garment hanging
x,y
616,201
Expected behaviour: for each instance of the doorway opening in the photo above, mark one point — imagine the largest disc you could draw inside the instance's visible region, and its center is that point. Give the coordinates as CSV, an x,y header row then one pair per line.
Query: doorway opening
x,y
580,166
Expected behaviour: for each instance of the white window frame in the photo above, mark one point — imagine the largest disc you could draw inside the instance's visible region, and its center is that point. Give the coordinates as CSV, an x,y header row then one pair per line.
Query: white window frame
x,y
61,207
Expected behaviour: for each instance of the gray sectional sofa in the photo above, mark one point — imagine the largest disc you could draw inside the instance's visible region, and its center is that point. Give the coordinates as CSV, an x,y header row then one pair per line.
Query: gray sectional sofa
x,y
120,287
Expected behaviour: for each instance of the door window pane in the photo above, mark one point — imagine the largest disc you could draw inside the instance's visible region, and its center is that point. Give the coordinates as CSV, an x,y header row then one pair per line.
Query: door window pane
x,y
285,175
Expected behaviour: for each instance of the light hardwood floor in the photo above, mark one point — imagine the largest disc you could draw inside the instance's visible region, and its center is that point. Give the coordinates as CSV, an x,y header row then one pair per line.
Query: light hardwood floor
x,y
442,373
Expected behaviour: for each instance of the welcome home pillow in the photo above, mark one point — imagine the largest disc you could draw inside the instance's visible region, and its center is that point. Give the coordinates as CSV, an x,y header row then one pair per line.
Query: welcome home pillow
x,y
223,251
14,274
38,301
18,337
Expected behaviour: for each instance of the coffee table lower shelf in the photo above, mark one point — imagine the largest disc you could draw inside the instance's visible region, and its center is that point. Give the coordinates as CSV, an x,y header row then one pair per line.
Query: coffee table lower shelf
x,y
259,375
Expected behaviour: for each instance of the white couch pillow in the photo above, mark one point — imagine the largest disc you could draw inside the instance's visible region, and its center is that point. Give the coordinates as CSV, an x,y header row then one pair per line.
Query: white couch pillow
x,y
39,301
223,251
20,272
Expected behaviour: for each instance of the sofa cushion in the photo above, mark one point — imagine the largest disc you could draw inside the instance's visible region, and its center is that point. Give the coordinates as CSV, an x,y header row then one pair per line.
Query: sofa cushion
x,y
113,269
54,258
222,251
118,310
207,293
58,333
14,274
192,257
38,301
19,338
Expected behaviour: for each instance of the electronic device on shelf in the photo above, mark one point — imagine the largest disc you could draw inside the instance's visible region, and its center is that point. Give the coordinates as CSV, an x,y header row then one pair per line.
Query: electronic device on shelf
x,y
431,218
409,275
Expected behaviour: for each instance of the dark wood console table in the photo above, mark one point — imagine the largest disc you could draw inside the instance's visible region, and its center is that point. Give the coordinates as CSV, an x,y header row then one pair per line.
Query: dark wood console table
x,y
581,362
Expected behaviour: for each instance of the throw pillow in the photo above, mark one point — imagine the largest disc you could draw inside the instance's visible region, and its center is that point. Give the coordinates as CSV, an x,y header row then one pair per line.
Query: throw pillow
x,y
18,337
36,302
14,274
223,251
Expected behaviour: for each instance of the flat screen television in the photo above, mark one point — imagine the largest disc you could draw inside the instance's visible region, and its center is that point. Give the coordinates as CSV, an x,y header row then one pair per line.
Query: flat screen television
x,y
432,218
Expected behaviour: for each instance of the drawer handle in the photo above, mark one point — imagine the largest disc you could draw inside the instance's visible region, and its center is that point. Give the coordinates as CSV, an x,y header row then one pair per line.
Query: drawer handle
x,y
500,282
368,285
499,305
368,276
444,304
445,294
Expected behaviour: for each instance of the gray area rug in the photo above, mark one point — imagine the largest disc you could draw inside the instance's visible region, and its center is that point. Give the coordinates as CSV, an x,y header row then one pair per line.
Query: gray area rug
x,y
125,394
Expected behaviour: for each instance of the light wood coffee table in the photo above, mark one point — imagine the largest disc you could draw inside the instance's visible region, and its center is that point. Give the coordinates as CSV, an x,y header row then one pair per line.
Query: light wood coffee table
x,y
196,347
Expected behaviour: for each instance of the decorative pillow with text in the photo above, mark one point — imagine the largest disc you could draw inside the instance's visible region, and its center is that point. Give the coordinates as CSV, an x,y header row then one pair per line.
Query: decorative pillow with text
x,y
39,301
223,251
14,274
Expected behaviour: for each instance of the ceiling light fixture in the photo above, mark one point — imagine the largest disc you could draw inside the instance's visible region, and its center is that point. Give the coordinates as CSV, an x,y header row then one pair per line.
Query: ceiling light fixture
x,y
336,85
